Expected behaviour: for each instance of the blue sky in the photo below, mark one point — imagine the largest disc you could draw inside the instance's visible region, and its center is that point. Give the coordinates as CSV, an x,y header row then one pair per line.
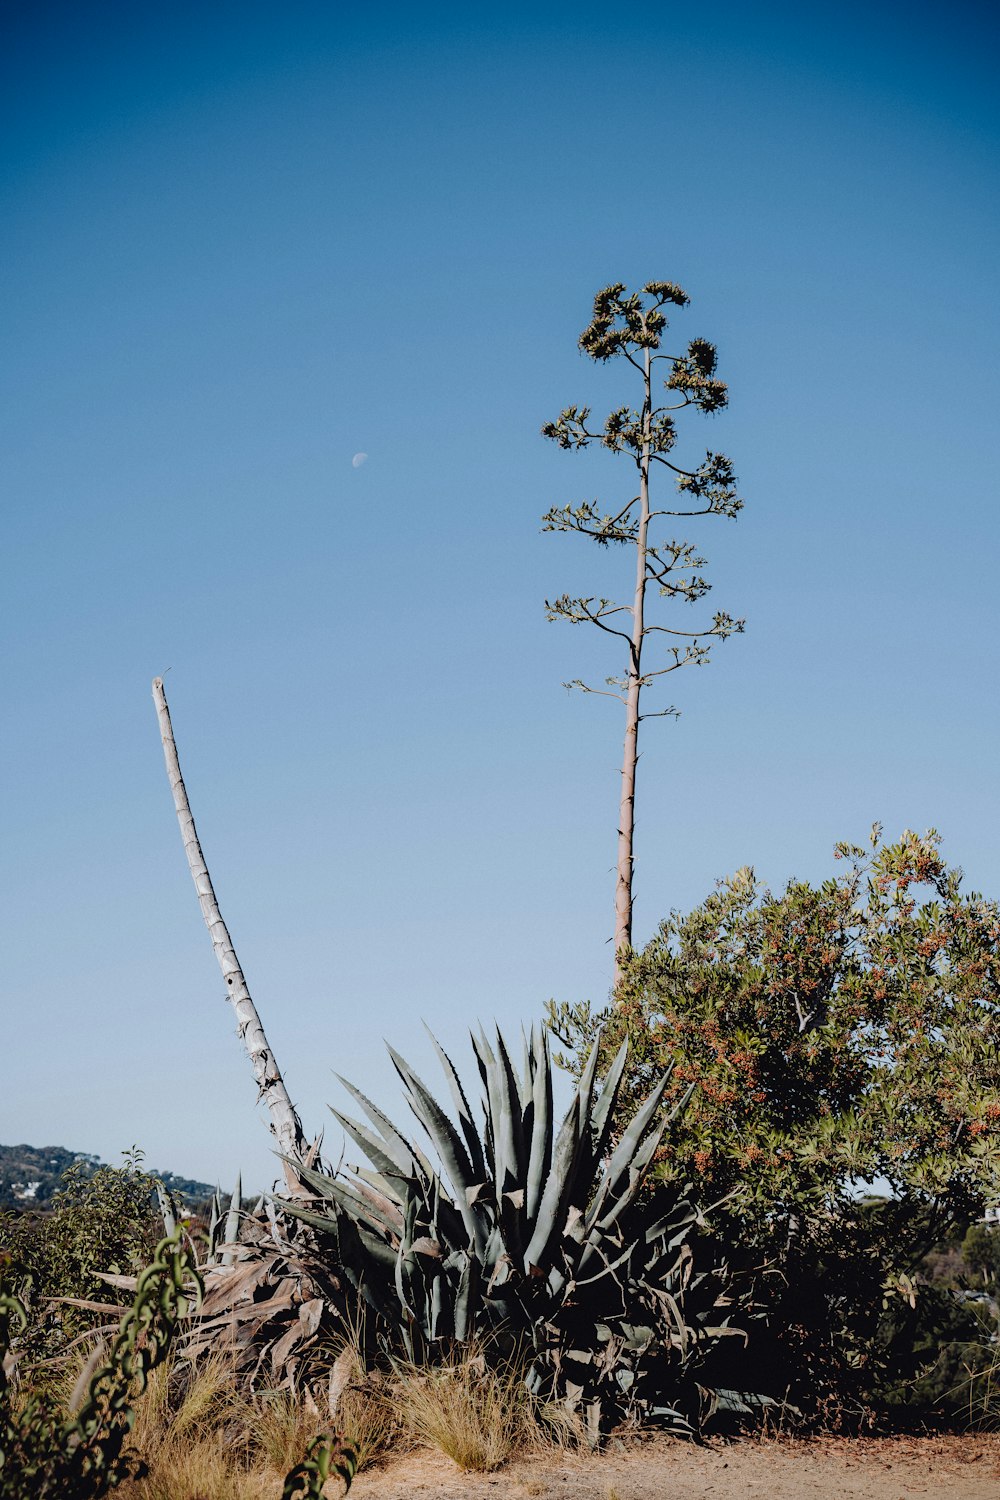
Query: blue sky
x,y
240,245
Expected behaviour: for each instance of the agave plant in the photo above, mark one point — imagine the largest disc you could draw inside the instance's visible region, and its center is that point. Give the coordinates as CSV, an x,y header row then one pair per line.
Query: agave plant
x,y
531,1231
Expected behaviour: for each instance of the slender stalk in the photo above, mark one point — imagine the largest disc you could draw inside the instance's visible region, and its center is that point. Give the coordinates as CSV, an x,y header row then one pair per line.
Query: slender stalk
x,y
630,757
284,1121
622,325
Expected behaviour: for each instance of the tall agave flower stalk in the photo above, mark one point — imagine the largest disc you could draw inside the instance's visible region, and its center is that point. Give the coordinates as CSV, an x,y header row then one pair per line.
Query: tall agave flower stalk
x,y
286,1127
530,1229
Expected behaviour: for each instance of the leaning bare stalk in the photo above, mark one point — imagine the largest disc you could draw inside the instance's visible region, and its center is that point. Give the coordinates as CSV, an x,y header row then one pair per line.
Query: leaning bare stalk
x,y
284,1121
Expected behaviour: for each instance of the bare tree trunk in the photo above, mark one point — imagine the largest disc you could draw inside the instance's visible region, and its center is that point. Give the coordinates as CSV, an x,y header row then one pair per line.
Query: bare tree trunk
x,y
630,757
284,1121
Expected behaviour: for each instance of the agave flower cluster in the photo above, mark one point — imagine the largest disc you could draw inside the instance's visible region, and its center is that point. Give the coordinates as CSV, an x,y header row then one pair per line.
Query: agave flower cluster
x,y
531,1232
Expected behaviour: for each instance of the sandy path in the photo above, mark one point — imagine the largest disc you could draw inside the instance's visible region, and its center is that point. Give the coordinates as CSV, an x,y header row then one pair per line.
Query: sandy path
x,y
951,1468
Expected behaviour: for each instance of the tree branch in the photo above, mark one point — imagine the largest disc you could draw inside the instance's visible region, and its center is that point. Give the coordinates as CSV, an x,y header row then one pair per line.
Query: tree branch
x,y
691,635
598,692
688,473
663,671
706,512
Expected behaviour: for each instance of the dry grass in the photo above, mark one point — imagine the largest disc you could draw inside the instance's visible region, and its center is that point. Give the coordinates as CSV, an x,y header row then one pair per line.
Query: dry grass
x,y
479,1416
181,1403
367,1412
186,1430
201,1470
205,1438
278,1427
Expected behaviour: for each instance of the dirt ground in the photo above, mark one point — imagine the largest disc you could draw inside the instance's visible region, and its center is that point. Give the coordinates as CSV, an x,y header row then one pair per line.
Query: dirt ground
x,y
940,1468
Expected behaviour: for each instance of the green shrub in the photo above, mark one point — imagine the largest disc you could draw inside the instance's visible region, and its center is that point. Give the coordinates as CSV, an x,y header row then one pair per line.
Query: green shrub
x,y
44,1453
101,1220
833,1036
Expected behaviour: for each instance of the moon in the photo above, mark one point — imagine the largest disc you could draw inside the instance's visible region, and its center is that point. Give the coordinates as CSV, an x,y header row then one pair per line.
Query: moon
x,y
358,460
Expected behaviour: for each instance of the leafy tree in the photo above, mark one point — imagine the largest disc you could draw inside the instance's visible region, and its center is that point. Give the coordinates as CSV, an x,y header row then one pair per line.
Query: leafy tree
x,y
101,1220
632,327
981,1252
834,1035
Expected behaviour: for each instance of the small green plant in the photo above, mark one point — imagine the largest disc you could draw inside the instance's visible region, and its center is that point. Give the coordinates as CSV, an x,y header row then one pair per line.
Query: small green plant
x,y
45,1453
326,1456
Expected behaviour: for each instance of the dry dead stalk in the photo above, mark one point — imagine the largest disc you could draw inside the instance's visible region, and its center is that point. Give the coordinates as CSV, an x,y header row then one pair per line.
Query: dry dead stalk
x,y
285,1124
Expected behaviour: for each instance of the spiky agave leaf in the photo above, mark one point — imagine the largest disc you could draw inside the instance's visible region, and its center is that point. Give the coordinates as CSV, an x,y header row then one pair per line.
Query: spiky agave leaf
x,y
472,1141
232,1230
540,1154
446,1141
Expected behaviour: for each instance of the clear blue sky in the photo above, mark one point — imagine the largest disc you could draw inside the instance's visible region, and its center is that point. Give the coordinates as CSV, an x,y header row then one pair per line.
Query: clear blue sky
x,y
240,245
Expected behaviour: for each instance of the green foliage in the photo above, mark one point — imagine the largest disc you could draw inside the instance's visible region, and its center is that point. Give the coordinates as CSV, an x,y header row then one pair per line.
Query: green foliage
x,y
981,1252
832,1035
531,1231
326,1456
102,1219
84,1455
936,1352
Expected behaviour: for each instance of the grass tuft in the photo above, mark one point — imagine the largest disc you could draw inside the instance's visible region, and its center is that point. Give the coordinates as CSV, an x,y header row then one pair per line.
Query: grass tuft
x,y
478,1415
202,1469
279,1427
367,1411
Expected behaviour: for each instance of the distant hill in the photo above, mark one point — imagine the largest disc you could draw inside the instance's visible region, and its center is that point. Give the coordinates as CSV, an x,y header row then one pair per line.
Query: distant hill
x,y
31,1175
